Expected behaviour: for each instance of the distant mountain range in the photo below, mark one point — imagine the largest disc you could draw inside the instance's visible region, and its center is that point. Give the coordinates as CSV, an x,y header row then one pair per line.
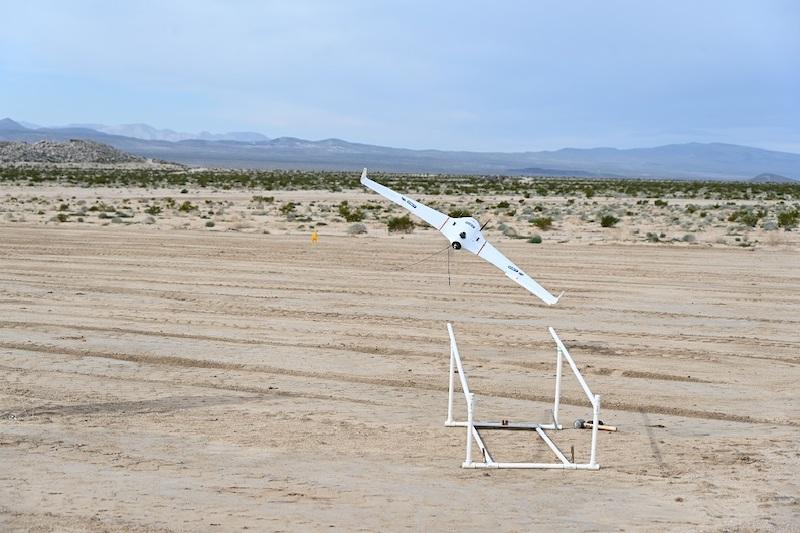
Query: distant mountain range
x,y
149,133
766,177
253,150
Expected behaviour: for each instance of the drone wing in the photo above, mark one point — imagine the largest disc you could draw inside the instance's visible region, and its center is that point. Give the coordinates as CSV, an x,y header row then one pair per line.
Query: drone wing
x,y
429,215
493,255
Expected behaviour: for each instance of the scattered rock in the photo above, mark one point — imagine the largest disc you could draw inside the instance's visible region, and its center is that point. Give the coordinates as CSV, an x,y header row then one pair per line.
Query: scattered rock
x,y
357,229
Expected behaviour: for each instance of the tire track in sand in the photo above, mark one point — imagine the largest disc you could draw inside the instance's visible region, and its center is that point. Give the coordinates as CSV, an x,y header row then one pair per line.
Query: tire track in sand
x,y
184,362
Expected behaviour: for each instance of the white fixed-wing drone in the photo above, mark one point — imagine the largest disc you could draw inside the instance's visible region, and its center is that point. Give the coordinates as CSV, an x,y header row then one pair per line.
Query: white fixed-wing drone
x,y
463,233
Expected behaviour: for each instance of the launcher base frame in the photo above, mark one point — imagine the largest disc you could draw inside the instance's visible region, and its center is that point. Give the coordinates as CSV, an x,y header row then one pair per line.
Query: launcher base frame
x,y
474,427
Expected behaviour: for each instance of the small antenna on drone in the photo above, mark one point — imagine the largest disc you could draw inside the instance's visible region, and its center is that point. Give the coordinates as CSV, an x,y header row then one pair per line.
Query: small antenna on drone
x,y
448,266
490,219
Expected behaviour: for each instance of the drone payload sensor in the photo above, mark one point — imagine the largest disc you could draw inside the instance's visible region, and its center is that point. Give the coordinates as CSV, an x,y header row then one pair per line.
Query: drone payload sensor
x,y
463,233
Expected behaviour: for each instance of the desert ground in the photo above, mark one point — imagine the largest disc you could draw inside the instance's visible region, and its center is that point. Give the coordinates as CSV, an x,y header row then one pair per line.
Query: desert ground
x,y
171,375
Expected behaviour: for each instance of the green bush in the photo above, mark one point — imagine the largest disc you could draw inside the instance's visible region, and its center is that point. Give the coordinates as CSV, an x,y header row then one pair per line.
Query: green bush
x,y
348,215
187,206
459,213
287,208
543,223
153,210
749,218
788,218
608,221
401,224
660,203
210,224
535,239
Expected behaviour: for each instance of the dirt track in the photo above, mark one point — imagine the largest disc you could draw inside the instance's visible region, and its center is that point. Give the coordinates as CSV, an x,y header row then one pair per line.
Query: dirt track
x,y
192,380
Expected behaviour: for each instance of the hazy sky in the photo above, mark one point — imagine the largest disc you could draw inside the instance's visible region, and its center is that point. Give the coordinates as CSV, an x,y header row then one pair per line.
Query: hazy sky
x,y
505,76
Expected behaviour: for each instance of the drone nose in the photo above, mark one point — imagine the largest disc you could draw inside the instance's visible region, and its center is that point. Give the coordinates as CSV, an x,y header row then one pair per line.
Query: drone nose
x,y
463,234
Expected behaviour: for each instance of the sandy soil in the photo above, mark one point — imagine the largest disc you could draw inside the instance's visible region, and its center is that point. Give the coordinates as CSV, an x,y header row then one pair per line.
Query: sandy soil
x,y
195,380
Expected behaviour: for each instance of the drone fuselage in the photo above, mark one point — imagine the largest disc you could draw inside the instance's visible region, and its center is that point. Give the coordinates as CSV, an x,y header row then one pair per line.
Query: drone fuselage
x,y
463,232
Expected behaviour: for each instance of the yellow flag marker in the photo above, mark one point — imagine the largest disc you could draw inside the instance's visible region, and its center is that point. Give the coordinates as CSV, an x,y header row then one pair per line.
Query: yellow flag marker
x,y
314,236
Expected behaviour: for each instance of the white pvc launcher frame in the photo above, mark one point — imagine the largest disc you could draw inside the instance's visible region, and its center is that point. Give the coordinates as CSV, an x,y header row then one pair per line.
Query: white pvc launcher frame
x,y
474,427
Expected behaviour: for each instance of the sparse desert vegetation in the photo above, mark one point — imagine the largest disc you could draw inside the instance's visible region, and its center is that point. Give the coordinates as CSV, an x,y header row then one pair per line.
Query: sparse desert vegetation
x,y
567,210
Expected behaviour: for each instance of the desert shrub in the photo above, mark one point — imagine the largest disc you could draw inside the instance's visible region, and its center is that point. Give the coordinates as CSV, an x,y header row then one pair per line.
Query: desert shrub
x,y
401,224
543,223
100,206
187,206
508,231
748,218
349,215
535,239
689,237
357,229
652,237
210,224
153,210
751,218
184,191
287,208
660,203
788,219
608,221
62,217
503,205
264,199
459,213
